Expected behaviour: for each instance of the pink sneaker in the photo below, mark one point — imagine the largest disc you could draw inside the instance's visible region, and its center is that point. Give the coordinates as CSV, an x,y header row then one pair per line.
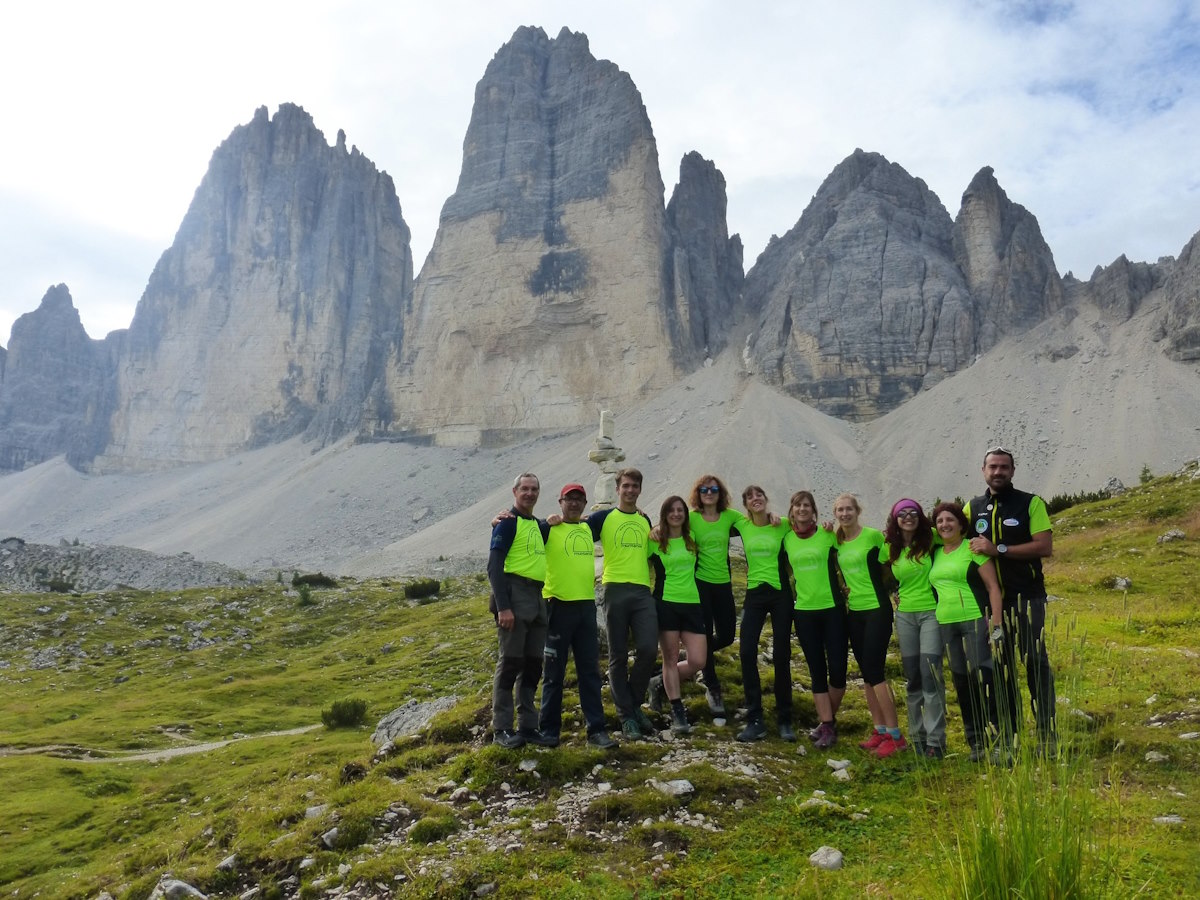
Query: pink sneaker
x,y
874,740
890,746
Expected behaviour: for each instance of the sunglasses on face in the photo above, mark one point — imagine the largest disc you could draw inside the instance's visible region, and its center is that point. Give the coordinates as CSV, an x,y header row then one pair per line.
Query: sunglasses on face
x,y
710,490
907,514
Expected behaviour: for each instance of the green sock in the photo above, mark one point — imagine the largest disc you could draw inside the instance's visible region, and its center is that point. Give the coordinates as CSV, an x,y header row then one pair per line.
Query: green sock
x,y
894,733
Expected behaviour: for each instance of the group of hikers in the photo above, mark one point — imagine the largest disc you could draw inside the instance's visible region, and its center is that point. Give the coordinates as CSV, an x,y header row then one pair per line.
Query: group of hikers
x,y
961,582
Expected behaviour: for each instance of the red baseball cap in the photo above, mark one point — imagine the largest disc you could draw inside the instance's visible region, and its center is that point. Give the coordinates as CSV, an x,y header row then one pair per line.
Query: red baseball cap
x,y
571,488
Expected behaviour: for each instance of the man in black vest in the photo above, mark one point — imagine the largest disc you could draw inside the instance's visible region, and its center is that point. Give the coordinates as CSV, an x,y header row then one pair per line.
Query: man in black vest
x,y
1013,527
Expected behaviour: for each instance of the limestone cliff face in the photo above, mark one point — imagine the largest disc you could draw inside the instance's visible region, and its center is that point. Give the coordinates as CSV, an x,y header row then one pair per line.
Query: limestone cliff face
x,y
861,303
1182,290
54,375
274,311
545,295
1118,288
1009,269
705,263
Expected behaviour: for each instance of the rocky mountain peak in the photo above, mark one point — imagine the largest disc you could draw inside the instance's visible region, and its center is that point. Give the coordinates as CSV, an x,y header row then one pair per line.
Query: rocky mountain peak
x,y
706,263
274,310
1007,264
548,271
860,304
1182,290
53,376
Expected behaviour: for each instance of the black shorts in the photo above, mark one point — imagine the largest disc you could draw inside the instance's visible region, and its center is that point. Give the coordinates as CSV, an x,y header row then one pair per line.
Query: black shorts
x,y
680,617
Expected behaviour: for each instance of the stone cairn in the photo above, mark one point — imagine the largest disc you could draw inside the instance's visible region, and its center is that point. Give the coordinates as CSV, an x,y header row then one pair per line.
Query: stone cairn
x,y
608,457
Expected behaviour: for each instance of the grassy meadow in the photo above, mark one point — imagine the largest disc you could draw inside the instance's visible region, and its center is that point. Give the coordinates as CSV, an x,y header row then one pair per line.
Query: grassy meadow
x,y
94,686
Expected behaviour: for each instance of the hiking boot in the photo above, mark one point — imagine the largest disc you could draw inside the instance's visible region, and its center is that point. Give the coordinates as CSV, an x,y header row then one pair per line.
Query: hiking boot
x,y
716,703
630,729
978,753
538,738
1047,748
601,740
890,745
509,740
754,731
873,741
826,735
658,695
787,732
934,753
647,728
679,723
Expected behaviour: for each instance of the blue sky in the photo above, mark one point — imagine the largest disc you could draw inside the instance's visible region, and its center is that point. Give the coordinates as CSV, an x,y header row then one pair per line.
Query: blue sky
x,y
1088,112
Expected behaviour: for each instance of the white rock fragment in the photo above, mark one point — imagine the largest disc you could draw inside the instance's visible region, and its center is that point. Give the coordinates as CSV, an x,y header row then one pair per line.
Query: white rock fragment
x,y
838,764
1168,820
678,787
1154,756
827,858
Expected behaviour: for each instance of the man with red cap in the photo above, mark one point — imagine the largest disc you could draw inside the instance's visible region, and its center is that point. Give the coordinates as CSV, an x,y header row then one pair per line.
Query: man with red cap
x,y
570,593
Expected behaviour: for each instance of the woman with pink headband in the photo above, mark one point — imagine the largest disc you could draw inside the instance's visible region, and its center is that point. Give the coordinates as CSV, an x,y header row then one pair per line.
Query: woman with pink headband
x,y
908,552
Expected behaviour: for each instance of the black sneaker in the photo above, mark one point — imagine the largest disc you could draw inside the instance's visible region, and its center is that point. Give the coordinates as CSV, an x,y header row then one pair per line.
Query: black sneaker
x,y
538,738
754,731
601,741
509,740
679,723
787,732
648,728
658,694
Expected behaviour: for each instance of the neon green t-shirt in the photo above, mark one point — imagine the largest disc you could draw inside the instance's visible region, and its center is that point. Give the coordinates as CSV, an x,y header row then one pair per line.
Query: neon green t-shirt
x,y
625,538
859,561
916,595
527,555
570,563
810,559
679,571
712,539
761,543
960,590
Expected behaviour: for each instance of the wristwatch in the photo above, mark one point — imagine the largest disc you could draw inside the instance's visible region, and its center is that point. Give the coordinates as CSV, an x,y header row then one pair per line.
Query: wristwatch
x,y
1002,549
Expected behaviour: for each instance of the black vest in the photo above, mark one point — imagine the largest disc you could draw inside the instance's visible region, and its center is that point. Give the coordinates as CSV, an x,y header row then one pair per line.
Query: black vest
x,y
1004,519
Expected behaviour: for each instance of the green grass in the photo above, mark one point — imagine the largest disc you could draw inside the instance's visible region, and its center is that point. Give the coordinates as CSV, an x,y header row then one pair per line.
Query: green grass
x,y
79,820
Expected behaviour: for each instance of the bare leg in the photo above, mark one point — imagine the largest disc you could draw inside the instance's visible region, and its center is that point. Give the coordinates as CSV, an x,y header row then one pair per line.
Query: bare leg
x,y
697,650
882,694
668,641
835,702
873,706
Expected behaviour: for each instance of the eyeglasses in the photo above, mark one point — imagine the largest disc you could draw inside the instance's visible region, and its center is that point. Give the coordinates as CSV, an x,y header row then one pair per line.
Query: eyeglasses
x,y
709,490
908,514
